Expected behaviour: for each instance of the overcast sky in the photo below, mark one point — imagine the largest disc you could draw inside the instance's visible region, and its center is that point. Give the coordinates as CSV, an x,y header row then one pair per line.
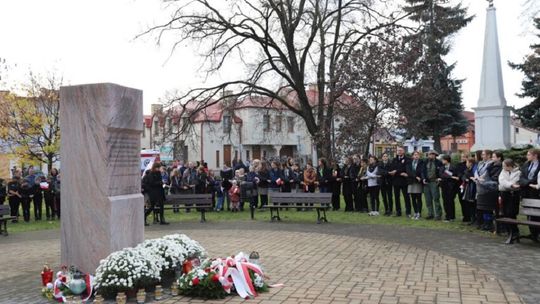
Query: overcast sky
x,y
92,41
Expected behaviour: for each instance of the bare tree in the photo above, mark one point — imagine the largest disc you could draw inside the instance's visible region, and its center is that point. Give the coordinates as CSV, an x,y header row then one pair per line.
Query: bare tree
x,y
372,77
285,44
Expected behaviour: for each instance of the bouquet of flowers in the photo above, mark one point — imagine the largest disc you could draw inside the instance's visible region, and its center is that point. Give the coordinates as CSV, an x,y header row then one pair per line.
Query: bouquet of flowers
x,y
171,253
201,282
220,277
128,269
192,248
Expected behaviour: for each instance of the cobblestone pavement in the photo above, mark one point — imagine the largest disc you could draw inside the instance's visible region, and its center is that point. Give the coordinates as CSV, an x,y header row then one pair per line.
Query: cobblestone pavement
x,y
328,263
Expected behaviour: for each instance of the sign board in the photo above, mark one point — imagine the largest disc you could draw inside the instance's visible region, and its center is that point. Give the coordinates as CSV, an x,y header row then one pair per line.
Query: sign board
x,y
166,153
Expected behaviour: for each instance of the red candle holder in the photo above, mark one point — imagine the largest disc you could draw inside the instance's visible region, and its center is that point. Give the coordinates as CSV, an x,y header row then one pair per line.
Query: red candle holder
x,y
46,277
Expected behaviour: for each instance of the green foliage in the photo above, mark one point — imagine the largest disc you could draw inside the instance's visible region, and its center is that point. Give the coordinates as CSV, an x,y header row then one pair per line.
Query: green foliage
x,y
518,155
530,86
200,282
432,105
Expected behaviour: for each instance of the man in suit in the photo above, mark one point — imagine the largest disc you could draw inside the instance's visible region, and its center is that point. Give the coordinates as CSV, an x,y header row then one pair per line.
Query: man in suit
x,y
448,180
431,186
385,167
529,176
399,179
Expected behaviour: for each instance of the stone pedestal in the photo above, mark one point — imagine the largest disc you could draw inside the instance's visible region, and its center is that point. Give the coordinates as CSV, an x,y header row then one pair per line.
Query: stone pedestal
x,y
102,205
492,128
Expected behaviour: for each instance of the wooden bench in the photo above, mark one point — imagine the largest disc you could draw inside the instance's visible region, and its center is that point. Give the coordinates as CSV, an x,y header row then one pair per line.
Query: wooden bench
x,y
317,201
200,202
529,207
5,216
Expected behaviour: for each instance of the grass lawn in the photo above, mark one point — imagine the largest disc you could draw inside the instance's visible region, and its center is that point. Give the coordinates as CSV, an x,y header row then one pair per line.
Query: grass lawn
x,y
287,216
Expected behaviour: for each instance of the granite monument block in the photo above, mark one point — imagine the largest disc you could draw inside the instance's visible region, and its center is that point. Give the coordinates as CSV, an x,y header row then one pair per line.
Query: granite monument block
x,y
102,205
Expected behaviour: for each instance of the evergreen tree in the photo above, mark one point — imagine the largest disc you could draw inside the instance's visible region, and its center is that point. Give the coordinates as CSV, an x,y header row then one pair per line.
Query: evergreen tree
x,y
530,114
432,104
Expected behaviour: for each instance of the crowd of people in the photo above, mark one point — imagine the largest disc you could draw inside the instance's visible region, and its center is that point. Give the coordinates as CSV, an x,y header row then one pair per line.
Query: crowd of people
x,y
28,187
486,185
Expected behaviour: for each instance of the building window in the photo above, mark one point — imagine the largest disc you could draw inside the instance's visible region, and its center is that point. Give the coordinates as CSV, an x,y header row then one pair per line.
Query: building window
x,y
290,124
264,154
247,154
517,130
217,158
227,122
279,118
143,130
169,125
266,122
156,127
236,155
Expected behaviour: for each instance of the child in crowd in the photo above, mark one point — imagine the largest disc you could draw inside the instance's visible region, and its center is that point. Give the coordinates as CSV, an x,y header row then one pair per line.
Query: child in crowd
x,y
234,194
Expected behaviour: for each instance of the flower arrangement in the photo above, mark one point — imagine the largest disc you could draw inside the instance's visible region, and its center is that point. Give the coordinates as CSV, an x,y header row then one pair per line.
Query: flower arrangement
x,y
193,248
201,282
127,269
217,278
170,253
145,265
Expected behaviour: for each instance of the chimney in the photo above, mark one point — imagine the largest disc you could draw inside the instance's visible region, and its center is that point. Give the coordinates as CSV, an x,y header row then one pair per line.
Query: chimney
x,y
227,101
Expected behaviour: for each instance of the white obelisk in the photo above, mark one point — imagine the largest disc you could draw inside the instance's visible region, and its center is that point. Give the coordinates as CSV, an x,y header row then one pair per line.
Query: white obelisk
x,y
492,115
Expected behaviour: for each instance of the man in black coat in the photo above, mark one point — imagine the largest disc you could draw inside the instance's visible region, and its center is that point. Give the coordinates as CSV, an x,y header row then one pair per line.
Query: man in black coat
x,y
355,169
448,180
460,171
399,179
385,166
529,176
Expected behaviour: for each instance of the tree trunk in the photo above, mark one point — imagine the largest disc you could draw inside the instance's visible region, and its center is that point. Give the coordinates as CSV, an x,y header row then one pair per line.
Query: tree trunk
x,y
49,164
437,143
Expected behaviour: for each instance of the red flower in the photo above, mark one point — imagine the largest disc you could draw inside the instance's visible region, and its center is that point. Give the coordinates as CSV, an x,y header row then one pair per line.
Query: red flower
x,y
195,281
207,269
63,279
215,278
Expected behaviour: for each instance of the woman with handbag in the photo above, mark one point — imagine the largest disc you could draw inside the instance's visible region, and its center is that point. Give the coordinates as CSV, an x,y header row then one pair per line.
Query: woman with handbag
x,y
487,178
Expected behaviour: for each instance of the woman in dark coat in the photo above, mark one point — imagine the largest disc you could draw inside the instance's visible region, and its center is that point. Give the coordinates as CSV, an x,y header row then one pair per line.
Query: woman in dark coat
x,y
288,178
324,176
335,186
414,171
469,191
487,178
263,175
153,186
348,176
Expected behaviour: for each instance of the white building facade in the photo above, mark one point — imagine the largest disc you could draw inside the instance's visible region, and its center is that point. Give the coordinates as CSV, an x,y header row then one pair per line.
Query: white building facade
x,y
221,134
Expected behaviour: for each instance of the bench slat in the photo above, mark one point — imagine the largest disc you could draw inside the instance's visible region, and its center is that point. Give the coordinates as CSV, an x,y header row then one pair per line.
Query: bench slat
x,y
518,222
302,194
530,211
190,196
300,200
5,210
531,203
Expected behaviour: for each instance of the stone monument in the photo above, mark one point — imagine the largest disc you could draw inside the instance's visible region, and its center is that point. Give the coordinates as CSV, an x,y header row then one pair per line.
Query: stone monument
x,y
492,115
102,205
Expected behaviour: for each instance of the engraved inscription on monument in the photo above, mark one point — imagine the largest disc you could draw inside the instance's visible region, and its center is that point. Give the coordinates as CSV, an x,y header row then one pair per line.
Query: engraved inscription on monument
x,y
123,161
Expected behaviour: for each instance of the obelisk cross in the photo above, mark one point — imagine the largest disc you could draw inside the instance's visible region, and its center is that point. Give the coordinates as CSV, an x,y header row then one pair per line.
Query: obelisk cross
x,y
490,3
